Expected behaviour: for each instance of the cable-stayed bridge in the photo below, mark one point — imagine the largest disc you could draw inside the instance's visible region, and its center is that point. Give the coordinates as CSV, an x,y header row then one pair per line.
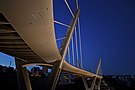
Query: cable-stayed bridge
x,y
27,33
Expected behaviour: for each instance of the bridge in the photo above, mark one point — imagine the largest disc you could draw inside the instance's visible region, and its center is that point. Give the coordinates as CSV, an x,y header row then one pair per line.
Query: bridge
x,y
27,33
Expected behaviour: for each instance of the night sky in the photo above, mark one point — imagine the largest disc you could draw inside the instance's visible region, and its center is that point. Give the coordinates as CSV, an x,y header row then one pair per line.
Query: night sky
x,y
107,30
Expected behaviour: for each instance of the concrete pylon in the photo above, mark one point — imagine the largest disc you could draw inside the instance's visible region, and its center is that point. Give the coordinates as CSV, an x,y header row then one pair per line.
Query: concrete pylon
x,y
94,79
56,70
85,83
22,75
99,83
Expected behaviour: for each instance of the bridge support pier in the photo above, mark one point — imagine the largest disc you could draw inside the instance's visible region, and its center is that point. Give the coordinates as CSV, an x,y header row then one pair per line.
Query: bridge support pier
x,y
85,83
54,76
22,75
93,83
99,83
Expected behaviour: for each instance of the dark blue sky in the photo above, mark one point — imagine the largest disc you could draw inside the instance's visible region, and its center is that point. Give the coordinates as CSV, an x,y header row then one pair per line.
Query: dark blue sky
x,y
108,31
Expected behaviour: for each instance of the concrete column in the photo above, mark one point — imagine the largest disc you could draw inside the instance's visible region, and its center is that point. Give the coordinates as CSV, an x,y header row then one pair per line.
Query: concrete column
x,y
22,75
99,83
85,83
53,77
93,83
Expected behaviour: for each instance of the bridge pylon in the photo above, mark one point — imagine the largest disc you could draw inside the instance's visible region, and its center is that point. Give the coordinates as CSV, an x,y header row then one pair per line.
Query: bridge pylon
x,y
57,67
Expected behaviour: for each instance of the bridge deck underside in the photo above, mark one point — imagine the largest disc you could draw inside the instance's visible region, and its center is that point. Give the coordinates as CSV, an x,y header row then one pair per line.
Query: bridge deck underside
x,y
27,32
11,43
